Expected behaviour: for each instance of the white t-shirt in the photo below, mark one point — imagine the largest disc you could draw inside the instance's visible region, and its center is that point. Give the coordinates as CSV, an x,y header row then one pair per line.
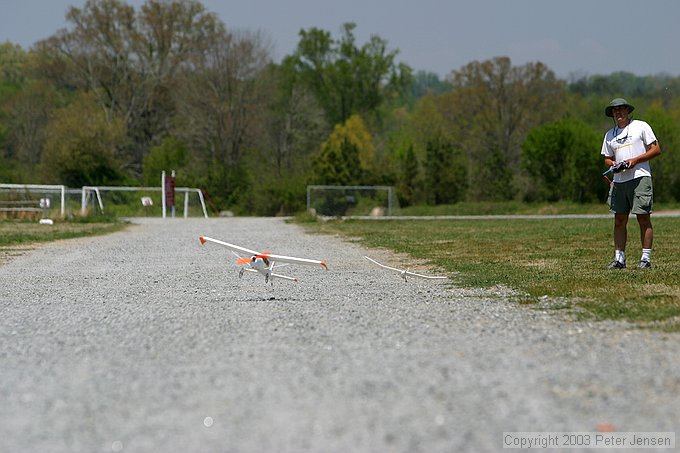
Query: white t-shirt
x,y
627,143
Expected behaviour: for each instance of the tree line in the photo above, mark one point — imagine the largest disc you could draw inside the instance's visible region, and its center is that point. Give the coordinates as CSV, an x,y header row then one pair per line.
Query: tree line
x,y
121,94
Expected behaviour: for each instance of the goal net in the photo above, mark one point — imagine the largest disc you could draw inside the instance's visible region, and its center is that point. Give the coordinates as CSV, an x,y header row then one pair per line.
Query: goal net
x,y
342,201
32,201
125,201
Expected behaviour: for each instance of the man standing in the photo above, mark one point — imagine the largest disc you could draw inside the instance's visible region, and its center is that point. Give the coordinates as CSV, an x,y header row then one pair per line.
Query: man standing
x,y
628,147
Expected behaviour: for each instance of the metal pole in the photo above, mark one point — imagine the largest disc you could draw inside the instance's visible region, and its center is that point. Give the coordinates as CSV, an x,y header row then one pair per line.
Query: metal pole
x,y
172,208
99,199
186,204
63,200
83,201
163,191
200,195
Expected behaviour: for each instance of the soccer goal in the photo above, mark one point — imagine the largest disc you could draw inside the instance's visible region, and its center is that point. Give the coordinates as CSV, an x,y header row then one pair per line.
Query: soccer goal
x,y
343,201
27,201
129,201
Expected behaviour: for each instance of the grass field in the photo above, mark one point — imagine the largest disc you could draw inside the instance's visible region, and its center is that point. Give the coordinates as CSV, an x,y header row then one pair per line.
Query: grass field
x,y
563,259
17,236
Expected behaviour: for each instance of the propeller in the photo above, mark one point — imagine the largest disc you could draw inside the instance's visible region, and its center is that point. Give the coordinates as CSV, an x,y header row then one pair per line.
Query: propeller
x,y
264,256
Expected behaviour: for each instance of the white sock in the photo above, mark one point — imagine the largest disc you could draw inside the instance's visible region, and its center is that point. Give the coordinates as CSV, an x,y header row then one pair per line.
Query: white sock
x,y
646,255
620,256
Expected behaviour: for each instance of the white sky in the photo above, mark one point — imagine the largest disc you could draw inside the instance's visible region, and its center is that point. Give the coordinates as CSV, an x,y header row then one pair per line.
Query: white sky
x,y
570,37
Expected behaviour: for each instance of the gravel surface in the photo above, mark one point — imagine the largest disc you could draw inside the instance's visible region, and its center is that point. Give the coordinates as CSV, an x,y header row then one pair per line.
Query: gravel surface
x,y
146,341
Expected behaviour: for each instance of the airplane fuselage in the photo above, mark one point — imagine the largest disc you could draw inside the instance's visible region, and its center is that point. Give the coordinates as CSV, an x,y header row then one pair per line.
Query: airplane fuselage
x,y
259,264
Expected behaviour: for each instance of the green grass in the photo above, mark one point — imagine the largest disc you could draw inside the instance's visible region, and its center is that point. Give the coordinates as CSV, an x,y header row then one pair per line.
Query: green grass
x,y
518,208
563,259
22,233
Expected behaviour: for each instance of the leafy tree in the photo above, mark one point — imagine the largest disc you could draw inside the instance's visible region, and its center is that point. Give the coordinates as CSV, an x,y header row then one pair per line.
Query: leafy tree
x,y
280,196
80,145
225,95
563,157
408,179
427,120
492,107
27,116
661,86
347,156
337,165
445,172
296,124
7,170
12,62
95,53
170,155
355,131
12,59
347,79
666,167
425,82
129,60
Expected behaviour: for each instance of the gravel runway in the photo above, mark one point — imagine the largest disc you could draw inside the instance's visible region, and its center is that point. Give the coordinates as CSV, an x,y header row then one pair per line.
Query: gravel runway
x,y
146,341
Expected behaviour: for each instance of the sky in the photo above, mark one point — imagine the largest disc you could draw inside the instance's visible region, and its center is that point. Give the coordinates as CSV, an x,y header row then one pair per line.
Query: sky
x,y
573,38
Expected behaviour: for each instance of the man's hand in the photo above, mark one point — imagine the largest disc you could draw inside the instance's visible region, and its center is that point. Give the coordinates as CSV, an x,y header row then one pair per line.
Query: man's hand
x,y
619,167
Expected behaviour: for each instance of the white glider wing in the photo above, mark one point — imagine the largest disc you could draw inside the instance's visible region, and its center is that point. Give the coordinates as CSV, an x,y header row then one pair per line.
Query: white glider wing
x,y
232,247
269,256
294,260
404,273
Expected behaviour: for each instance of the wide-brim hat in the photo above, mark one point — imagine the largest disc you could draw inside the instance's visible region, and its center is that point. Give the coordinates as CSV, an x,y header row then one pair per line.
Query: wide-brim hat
x,y
617,102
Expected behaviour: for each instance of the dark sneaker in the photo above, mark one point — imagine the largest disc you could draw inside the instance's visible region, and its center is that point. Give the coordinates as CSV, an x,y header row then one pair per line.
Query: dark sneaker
x,y
644,264
616,265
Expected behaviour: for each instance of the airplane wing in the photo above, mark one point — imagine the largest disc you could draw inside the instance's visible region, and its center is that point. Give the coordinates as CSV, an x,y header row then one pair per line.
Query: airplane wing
x,y
405,273
271,257
232,247
294,260
382,265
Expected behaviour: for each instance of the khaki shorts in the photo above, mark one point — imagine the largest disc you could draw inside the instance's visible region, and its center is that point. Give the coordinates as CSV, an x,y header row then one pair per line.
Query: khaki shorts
x,y
635,196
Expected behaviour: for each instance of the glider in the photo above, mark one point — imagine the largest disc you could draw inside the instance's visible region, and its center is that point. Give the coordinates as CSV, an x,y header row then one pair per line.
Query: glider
x,y
405,273
263,262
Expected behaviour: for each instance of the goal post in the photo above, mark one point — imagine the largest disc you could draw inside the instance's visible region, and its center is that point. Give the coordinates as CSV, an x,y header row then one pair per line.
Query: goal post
x,y
338,201
132,201
27,192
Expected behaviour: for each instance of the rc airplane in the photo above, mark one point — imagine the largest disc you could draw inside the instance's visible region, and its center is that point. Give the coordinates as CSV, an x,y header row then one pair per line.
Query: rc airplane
x,y
263,262
405,273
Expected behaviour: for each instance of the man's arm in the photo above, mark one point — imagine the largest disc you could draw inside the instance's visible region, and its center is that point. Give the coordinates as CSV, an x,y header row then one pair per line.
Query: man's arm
x,y
653,150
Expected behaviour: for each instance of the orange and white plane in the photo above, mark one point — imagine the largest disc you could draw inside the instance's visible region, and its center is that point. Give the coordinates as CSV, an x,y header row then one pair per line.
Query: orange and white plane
x,y
263,262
